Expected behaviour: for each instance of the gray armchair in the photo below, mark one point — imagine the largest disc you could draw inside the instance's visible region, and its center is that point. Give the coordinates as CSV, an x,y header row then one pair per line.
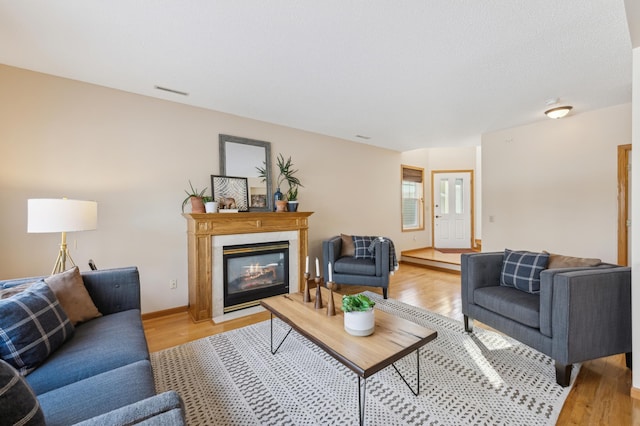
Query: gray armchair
x,y
579,314
350,270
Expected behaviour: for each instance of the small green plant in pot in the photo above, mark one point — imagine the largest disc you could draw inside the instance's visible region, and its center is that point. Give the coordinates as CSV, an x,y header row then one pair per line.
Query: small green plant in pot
x,y
359,318
195,196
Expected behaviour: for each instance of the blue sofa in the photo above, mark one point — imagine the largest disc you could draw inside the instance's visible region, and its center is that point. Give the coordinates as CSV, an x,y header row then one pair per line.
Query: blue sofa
x,y
102,375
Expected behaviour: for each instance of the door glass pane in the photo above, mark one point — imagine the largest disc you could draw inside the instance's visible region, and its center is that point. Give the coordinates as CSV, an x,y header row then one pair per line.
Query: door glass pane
x,y
444,196
459,196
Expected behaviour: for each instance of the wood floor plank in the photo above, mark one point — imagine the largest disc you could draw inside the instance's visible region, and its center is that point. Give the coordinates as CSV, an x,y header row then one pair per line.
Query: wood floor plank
x,y
601,394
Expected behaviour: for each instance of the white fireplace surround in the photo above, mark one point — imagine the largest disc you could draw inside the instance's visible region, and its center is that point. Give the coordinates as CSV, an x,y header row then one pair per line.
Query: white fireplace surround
x,y
218,243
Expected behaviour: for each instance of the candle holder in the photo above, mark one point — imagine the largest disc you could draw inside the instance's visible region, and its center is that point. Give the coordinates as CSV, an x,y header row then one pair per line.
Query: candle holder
x,y
331,309
318,281
306,296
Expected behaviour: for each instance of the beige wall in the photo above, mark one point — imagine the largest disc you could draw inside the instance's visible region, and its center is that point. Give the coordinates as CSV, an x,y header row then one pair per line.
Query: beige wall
x,y
552,185
134,156
635,219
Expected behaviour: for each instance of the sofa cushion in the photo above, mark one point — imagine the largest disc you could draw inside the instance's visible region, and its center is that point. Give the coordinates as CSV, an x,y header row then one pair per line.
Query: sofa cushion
x,y
99,345
353,266
521,269
347,248
562,261
73,295
32,326
362,244
18,403
98,394
508,302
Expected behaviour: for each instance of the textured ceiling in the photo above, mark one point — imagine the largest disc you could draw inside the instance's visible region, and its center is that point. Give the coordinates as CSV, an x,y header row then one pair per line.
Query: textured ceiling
x,y
408,74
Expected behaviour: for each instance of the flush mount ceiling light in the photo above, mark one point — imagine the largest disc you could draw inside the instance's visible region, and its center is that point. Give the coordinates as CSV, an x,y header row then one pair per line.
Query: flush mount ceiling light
x,y
557,111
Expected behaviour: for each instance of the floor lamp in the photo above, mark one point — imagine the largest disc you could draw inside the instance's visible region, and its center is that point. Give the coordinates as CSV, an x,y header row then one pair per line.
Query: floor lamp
x,y
61,215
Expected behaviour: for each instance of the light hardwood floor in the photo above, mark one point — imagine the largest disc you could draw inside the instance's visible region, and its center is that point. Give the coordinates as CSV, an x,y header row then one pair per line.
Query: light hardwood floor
x,y
600,395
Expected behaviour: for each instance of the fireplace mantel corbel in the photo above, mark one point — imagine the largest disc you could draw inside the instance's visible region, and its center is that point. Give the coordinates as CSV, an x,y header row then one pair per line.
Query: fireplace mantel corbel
x,y
202,227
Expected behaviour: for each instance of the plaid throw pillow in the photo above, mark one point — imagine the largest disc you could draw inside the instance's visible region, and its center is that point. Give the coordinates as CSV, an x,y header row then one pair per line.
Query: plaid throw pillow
x,y
32,326
361,245
18,403
521,269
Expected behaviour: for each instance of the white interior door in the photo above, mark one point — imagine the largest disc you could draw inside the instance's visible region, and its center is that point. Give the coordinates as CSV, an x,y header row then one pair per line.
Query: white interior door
x,y
452,210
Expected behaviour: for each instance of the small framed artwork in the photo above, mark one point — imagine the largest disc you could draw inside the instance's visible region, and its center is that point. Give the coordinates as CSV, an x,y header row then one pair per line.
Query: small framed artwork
x,y
230,192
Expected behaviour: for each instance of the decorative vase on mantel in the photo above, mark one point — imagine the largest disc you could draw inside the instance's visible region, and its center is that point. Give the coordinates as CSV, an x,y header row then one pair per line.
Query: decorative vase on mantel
x,y
277,196
281,206
292,206
197,205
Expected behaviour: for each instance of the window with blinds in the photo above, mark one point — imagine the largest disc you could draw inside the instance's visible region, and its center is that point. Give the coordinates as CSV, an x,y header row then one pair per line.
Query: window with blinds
x,y
412,198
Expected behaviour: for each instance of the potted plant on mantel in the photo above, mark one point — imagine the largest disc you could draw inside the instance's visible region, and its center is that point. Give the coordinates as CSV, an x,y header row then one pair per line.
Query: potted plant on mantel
x,y
195,196
359,318
286,174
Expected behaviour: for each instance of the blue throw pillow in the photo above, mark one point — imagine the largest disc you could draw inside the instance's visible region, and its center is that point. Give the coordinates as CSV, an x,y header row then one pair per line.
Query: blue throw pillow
x,y
32,326
18,403
361,245
521,269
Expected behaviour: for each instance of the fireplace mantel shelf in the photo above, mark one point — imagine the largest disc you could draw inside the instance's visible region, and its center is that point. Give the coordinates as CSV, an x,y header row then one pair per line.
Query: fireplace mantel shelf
x,y
202,227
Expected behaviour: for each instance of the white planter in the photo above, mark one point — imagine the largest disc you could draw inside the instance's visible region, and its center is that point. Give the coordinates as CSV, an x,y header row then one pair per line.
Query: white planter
x,y
360,323
211,207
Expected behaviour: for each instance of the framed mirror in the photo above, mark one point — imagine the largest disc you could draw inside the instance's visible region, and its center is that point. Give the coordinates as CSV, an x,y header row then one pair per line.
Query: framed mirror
x,y
241,157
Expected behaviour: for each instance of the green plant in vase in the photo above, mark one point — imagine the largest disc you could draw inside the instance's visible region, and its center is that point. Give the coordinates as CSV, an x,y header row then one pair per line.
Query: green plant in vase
x,y
195,196
359,318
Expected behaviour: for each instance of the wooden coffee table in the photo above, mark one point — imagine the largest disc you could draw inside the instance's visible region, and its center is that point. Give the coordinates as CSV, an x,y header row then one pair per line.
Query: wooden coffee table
x,y
393,339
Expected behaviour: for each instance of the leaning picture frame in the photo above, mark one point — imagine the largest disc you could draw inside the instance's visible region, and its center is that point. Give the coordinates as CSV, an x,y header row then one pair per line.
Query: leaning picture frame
x,y
230,192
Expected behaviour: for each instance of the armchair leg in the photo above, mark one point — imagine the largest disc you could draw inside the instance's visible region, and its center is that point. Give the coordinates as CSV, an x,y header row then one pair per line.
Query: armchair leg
x,y
563,374
628,360
468,324
384,292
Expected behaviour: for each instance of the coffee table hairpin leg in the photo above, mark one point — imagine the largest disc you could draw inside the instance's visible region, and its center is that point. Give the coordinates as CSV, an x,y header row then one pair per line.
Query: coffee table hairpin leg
x,y
362,387
417,391
273,351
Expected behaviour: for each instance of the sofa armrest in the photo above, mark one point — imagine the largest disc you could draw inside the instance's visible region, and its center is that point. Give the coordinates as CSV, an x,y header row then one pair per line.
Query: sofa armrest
x,y
591,314
113,290
478,270
164,409
381,254
331,249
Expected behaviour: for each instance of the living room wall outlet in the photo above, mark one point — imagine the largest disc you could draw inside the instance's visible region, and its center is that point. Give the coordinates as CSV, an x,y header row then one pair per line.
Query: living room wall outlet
x,y
173,284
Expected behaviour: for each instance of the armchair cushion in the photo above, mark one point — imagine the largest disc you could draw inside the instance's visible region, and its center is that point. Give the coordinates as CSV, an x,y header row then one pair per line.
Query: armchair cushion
x,y
32,326
362,245
562,261
514,304
521,269
347,248
353,266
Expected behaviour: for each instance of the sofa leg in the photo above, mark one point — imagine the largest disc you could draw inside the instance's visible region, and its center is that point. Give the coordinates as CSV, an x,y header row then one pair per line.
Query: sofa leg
x,y
628,359
563,374
384,292
468,324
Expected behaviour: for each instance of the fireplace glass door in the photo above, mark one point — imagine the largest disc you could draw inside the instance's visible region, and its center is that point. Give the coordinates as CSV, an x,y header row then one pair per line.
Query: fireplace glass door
x,y
253,272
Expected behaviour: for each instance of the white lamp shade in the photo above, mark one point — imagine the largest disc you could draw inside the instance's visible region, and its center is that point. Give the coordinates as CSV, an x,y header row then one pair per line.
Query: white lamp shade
x,y
61,215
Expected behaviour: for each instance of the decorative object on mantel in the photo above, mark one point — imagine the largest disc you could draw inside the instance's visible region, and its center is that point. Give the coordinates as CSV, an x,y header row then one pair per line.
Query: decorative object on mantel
x,y
241,157
210,206
195,196
286,174
230,192
359,317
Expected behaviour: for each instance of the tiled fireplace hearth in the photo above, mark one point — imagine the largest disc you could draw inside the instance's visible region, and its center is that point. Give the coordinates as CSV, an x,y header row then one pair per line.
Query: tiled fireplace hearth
x,y
209,233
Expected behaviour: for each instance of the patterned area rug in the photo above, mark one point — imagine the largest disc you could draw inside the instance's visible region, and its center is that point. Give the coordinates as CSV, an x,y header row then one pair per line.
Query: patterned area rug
x,y
480,379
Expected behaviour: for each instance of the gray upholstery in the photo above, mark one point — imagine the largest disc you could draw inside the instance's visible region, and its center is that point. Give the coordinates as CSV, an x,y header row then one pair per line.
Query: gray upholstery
x,y
349,270
582,313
